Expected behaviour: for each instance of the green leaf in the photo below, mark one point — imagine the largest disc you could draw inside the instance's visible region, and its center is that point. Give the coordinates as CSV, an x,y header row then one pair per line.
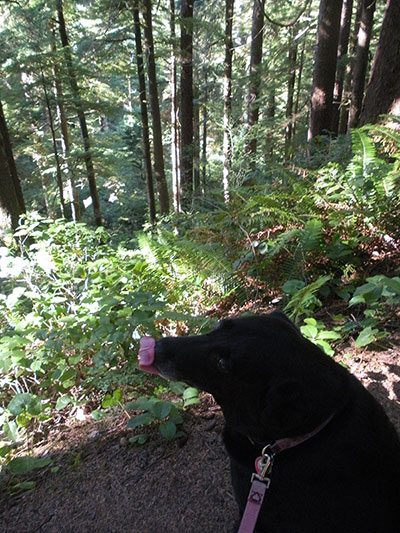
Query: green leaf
x,y
359,299
325,346
139,439
190,396
25,402
5,450
176,416
309,331
22,465
168,430
23,419
112,400
98,415
23,485
366,336
292,286
177,387
63,401
311,321
141,420
161,410
143,404
11,430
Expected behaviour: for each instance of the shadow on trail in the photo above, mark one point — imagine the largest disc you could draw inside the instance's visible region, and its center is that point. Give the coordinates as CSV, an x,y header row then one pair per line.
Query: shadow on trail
x,y
105,485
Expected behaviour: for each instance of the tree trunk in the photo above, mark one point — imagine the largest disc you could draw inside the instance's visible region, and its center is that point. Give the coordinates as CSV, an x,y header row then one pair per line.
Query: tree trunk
x,y
204,135
255,68
159,168
227,143
196,143
346,97
345,24
54,144
186,102
73,194
359,70
144,114
383,91
298,87
11,199
175,163
324,67
292,59
80,113
270,114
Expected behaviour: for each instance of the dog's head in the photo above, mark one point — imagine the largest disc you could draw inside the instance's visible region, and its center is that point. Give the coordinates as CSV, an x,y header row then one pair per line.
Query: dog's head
x,y
270,381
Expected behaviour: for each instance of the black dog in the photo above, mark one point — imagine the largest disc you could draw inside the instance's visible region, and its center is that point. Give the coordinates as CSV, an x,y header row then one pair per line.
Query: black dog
x,y
341,471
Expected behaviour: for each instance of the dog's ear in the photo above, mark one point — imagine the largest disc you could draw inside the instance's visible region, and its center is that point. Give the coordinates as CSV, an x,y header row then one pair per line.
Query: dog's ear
x,y
286,408
283,317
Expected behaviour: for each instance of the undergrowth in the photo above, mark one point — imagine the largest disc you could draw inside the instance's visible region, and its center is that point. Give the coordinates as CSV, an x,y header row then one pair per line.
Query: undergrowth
x,y
73,306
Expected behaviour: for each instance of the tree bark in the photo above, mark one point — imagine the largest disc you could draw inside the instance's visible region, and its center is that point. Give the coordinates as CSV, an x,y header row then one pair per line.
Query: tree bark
x,y
73,194
324,67
186,106
159,168
346,96
80,113
204,134
292,60
383,91
144,114
253,106
345,24
11,199
175,163
359,69
196,143
54,144
227,142
298,85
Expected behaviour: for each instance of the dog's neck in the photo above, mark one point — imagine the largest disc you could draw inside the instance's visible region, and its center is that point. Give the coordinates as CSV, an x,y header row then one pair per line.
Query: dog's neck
x,y
283,444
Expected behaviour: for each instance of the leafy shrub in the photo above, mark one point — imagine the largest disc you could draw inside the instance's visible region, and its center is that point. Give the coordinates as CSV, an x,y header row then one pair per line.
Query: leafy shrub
x,y
377,296
303,298
164,413
72,308
316,332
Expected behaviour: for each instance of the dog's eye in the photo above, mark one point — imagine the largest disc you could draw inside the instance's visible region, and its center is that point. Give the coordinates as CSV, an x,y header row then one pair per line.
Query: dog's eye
x,y
223,364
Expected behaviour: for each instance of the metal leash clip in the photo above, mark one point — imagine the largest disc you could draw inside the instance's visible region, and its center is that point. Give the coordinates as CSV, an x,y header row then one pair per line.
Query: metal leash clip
x,y
264,464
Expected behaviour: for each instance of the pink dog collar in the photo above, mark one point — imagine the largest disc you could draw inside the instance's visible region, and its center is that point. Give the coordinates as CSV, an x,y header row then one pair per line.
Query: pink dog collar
x,y
260,480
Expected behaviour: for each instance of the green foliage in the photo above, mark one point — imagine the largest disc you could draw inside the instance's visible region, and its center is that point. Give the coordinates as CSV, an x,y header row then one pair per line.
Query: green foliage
x,y
24,465
303,299
316,332
377,297
163,413
72,309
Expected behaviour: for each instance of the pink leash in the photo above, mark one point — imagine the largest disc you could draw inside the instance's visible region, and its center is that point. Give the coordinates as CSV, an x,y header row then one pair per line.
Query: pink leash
x,y
259,485
260,480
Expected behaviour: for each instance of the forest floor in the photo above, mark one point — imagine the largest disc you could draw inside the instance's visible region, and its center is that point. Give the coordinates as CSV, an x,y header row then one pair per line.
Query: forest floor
x,y
104,484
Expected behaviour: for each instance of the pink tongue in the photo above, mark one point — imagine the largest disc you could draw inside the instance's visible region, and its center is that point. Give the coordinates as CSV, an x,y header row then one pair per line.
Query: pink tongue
x,y
147,351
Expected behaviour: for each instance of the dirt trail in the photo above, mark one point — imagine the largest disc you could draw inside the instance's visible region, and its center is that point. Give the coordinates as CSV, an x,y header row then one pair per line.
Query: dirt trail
x,y
105,485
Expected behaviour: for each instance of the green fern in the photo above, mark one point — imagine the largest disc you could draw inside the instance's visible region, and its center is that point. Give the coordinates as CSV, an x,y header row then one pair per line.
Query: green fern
x,y
180,258
304,301
296,244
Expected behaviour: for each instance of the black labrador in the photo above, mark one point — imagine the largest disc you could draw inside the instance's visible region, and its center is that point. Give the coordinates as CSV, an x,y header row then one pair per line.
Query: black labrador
x,y
341,470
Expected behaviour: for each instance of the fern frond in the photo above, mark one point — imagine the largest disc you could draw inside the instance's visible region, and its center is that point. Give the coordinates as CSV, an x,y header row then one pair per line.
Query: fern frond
x,y
364,147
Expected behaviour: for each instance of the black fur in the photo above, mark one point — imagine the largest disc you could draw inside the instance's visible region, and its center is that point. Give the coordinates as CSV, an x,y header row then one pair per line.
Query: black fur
x,y
273,383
